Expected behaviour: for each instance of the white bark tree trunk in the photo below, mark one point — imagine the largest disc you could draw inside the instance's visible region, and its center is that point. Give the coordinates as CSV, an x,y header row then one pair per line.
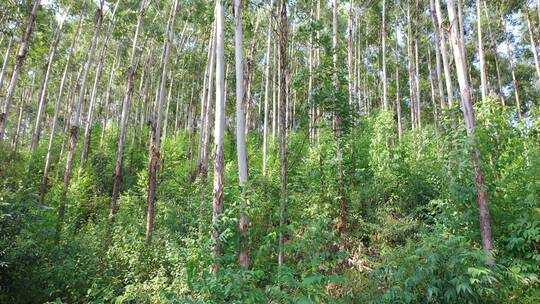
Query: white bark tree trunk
x,y
125,112
219,132
153,165
470,124
46,169
21,56
240,128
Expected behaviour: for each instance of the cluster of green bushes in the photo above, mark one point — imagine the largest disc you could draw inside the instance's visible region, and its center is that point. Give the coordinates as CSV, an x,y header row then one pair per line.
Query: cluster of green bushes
x,y
412,231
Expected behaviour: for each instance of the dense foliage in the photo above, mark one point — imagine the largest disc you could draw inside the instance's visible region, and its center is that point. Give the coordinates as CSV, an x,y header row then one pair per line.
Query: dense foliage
x,y
381,202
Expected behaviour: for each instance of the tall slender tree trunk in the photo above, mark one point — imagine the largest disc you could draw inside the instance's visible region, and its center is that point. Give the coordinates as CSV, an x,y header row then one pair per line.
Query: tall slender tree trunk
x,y
283,27
5,62
219,131
493,45
383,42
153,165
398,98
206,124
107,100
350,49
240,125
21,56
249,78
470,124
411,68
438,68
25,94
483,74
46,169
267,87
75,121
43,91
533,44
444,54
512,67
90,115
125,112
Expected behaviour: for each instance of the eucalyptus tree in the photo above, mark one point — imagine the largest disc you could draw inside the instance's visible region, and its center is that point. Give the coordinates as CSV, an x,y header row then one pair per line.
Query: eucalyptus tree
x,y
126,109
90,114
240,132
74,123
283,32
5,61
43,90
47,167
457,41
153,164
20,58
219,132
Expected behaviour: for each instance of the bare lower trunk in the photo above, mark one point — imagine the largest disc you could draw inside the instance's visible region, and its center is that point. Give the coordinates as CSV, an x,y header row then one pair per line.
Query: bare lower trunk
x,y
153,165
26,94
383,42
283,129
125,114
74,124
470,124
266,90
243,257
217,195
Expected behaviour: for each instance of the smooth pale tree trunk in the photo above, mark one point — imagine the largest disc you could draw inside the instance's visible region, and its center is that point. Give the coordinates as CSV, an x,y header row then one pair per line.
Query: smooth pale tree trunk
x,y
533,45
43,91
153,165
417,104
350,49
438,68
125,111
206,124
168,105
433,91
283,24
398,98
444,54
383,42
249,78
26,94
202,117
267,88
495,55
21,56
47,167
342,221
512,67
483,75
411,68
74,124
219,132
107,100
457,40
90,115
275,73
5,62
243,257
